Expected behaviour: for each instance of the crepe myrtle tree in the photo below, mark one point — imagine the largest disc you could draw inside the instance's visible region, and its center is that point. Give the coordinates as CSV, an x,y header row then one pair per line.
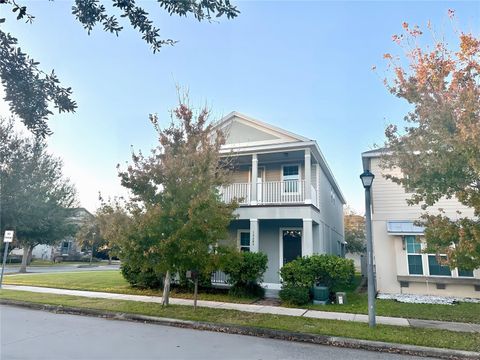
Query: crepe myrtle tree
x,y
31,91
438,151
36,199
180,215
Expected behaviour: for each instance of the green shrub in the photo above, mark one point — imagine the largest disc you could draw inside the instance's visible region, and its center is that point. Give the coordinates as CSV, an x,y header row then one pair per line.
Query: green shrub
x,y
245,271
331,271
295,295
142,278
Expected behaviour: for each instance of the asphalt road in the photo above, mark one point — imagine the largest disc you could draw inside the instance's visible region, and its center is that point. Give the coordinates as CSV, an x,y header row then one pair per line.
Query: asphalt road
x,y
61,268
30,334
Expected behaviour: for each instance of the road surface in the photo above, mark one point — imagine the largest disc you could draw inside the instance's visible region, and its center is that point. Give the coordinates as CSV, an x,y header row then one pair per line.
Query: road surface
x,y
31,334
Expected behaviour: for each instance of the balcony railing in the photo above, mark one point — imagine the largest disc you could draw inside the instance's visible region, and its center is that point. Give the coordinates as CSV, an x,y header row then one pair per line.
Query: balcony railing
x,y
269,192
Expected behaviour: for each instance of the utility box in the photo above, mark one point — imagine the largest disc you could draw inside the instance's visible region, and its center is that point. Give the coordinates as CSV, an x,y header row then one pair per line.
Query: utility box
x,y
320,295
341,298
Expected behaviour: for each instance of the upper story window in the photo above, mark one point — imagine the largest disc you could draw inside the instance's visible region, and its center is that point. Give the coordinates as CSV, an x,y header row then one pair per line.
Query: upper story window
x,y
291,177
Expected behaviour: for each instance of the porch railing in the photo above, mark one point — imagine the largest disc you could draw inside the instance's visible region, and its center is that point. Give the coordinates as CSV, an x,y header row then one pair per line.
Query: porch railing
x,y
269,192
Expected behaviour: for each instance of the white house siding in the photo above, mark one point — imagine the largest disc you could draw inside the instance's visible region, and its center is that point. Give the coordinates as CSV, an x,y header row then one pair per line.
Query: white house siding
x,y
389,204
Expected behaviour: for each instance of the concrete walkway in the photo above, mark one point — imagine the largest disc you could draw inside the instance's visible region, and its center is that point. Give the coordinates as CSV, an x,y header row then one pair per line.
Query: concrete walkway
x,y
260,309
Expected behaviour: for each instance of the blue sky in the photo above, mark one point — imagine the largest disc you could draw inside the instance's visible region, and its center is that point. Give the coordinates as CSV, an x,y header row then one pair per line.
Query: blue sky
x,y
302,66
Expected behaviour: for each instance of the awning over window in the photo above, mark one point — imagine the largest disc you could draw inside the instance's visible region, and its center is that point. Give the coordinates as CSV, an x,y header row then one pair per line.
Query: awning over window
x,y
403,227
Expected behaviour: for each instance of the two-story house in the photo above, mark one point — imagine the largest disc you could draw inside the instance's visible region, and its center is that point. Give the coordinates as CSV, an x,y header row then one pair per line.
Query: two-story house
x,y
290,203
401,264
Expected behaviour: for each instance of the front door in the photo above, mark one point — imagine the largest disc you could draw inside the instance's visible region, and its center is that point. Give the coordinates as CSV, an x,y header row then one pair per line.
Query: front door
x,y
292,245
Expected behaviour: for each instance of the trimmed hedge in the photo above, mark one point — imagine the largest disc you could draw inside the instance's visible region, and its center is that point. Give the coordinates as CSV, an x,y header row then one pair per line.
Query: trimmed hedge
x,y
295,295
331,271
142,278
245,271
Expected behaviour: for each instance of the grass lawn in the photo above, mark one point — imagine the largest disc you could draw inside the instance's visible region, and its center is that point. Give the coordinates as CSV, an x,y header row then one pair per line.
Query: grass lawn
x,y
358,303
112,281
109,281
405,335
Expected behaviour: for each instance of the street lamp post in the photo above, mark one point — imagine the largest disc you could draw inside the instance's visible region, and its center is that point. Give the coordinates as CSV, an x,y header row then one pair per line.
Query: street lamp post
x,y
367,180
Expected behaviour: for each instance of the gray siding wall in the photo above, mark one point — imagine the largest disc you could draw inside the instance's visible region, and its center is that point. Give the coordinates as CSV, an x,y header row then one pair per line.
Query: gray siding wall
x,y
331,213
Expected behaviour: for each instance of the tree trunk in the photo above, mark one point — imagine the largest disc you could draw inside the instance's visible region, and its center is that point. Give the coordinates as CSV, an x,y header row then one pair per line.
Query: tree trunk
x,y
109,259
91,256
30,255
195,294
26,250
166,289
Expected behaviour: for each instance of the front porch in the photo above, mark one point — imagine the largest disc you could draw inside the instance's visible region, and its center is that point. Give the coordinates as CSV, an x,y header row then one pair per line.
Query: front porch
x,y
273,178
283,240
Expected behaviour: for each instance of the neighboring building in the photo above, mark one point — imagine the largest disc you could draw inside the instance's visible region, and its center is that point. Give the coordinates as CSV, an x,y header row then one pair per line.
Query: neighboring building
x,y
290,203
401,266
68,248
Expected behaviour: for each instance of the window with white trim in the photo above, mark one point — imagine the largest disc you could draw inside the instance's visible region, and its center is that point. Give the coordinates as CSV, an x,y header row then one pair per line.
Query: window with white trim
x,y
291,177
435,264
244,241
414,255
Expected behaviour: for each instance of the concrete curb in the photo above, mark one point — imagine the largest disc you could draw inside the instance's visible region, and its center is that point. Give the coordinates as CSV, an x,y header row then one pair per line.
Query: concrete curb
x,y
259,332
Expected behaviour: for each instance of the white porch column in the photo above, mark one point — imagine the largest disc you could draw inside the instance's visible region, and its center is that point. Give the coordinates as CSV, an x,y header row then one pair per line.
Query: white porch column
x,y
307,237
308,177
254,231
253,183
317,185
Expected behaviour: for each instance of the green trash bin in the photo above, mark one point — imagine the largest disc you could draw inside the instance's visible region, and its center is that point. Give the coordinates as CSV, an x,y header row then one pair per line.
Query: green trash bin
x,y
320,295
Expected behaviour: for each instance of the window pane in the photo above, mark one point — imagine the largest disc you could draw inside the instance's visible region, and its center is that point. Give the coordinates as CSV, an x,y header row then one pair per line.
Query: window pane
x,y
415,266
435,268
245,249
414,244
244,239
466,273
290,170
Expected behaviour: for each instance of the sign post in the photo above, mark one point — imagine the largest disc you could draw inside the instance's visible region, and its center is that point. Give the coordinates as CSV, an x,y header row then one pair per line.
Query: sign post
x,y
7,239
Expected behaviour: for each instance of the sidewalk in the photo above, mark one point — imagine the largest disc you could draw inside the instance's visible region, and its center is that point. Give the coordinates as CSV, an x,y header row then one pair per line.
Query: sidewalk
x,y
261,309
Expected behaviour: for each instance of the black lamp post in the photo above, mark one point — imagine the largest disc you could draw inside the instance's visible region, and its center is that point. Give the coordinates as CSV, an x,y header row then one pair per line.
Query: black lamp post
x,y
367,180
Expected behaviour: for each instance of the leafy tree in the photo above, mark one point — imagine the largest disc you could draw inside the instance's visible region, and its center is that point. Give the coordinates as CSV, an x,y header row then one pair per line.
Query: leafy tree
x,y
30,91
354,232
113,223
439,149
89,236
36,198
180,215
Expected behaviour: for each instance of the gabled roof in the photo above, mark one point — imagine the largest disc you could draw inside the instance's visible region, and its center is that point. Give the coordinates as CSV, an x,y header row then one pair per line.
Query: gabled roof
x,y
262,136
249,131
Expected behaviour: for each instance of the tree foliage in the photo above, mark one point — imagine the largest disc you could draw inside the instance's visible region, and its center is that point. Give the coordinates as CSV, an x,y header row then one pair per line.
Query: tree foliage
x,y
180,215
439,149
113,222
36,199
31,91
354,232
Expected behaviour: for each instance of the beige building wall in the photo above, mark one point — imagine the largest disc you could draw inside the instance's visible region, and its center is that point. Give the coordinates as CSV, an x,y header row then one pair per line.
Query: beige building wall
x,y
389,204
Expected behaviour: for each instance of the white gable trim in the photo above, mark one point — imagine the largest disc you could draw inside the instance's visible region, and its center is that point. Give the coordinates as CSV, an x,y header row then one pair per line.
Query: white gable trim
x,y
259,125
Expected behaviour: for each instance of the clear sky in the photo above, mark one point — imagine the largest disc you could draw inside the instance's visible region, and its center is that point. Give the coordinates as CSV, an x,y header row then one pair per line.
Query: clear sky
x,y
302,66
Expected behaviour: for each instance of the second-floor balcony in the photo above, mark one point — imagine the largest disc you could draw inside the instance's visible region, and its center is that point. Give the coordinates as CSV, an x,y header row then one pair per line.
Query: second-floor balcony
x,y
271,192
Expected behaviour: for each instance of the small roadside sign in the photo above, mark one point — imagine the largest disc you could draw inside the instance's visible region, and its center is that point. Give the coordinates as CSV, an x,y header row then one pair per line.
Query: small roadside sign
x,y
8,237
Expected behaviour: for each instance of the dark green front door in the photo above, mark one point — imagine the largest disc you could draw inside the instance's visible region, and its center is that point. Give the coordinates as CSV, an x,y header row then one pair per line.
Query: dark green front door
x,y
292,245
